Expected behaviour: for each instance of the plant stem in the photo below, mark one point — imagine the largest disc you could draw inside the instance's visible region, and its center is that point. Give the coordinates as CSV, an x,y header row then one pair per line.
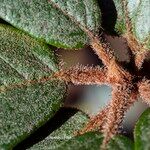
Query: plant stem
x,y
122,99
83,75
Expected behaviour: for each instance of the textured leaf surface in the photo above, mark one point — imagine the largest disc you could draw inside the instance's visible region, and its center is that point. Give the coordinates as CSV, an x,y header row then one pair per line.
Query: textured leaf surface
x,y
93,141
25,107
142,132
139,14
120,143
43,20
63,134
88,141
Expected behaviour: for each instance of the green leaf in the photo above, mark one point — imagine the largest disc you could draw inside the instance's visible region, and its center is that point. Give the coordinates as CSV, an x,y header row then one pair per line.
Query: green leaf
x,y
139,14
142,132
27,99
64,138
120,143
63,134
93,141
87,141
59,26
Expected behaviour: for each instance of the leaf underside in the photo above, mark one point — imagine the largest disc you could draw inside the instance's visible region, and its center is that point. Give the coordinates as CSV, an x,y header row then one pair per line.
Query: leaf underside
x,y
44,21
93,141
142,132
139,14
62,134
25,107
90,140
120,143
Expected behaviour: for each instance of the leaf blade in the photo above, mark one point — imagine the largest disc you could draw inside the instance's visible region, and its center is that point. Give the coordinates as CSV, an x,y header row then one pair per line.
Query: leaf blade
x,y
26,107
120,143
62,134
90,140
136,15
141,132
55,28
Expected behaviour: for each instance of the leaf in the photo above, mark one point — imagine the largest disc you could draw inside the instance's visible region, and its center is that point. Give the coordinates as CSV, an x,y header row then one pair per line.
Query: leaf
x,y
89,140
63,138
93,141
120,143
142,132
27,98
63,134
138,13
59,26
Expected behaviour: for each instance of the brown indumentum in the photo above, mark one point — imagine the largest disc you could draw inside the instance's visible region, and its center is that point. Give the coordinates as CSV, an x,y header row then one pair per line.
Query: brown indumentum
x,y
126,85
144,90
83,75
138,49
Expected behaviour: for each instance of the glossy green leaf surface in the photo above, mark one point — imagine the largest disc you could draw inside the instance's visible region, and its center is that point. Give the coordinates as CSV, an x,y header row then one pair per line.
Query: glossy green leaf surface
x,y
25,105
58,137
142,132
43,20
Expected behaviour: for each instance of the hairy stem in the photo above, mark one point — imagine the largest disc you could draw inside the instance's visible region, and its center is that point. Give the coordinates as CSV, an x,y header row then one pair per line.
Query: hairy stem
x,y
144,90
102,51
137,48
120,103
83,75
95,122
127,18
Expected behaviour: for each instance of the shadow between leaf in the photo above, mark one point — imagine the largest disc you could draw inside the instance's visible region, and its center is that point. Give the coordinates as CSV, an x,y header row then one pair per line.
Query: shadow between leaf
x,y
109,15
60,118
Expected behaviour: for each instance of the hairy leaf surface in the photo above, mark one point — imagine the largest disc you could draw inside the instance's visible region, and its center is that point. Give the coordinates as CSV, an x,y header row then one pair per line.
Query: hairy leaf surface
x,y
56,22
90,140
120,143
135,13
138,13
93,141
63,134
27,98
142,132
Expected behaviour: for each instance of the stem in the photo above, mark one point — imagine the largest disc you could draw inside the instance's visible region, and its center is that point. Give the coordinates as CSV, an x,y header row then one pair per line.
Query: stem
x,y
137,48
102,51
144,90
95,122
83,75
122,99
